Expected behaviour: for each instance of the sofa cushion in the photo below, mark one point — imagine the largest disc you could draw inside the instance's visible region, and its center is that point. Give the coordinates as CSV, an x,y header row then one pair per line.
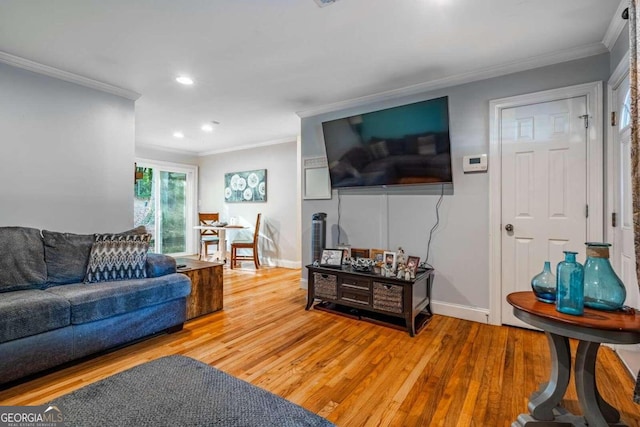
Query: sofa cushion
x,y
67,254
106,299
118,257
22,263
159,265
30,312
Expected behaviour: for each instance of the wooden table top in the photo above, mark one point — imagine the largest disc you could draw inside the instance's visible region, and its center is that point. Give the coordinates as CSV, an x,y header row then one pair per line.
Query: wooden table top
x,y
194,264
622,321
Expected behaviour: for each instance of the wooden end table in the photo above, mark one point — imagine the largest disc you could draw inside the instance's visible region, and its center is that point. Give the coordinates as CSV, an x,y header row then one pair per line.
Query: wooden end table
x,y
206,286
592,329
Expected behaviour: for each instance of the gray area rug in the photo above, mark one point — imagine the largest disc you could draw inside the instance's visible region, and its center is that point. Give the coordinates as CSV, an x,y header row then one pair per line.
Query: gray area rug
x,y
179,391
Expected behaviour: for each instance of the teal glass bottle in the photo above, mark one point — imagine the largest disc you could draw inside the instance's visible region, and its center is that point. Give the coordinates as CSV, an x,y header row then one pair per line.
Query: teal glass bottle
x,y
570,293
544,284
603,289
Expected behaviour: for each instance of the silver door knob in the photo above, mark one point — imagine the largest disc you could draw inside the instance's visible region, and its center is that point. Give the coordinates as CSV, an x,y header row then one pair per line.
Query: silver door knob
x,y
508,227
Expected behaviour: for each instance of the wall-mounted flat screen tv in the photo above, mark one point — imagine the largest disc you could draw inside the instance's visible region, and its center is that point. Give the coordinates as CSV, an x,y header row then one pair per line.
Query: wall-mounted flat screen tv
x,y
403,145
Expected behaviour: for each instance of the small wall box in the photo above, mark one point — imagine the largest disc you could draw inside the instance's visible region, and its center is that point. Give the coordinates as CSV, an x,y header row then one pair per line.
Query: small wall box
x,y
476,163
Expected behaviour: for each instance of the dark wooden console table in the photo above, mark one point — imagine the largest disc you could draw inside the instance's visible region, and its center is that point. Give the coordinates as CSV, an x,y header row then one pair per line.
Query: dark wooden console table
x,y
372,296
591,329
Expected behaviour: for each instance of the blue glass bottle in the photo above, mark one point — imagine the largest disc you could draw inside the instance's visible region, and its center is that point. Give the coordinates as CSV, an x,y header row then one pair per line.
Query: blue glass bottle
x,y
570,294
603,289
544,285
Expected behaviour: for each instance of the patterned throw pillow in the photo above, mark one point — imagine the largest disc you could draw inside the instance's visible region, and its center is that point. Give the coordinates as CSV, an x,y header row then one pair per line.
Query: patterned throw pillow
x,y
117,257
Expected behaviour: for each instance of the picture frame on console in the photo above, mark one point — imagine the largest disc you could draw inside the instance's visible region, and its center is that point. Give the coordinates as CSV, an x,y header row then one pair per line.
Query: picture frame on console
x,y
359,253
331,258
412,264
377,255
390,259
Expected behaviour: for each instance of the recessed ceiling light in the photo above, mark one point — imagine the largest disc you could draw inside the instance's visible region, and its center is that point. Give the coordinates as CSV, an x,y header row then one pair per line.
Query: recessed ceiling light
x,y
209,127
178,135
188,81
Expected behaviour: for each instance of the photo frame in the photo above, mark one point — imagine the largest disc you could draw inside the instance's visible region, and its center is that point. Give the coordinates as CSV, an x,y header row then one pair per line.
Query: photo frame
x,y
359,253
390,260
331,258
412,264
377,255
346,251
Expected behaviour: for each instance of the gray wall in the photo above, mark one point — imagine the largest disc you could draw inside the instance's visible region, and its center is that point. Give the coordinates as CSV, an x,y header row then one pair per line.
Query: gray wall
x,y
66,155
459,250
620,48
279,242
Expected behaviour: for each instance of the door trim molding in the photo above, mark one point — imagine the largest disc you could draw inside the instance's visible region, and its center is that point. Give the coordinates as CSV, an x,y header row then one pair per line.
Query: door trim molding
x,y
595,172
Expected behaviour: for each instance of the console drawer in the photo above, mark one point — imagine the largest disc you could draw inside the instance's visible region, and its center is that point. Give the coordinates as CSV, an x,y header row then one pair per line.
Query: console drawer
x,y
387,297
355,284
325,285
354,296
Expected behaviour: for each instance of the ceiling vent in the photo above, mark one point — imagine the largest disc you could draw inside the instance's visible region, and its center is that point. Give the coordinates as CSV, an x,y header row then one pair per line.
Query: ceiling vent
x,y
323,3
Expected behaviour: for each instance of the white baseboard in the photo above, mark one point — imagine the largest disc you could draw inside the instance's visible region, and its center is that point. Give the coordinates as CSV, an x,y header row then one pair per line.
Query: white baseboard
x,y
284,263
304,283
474,314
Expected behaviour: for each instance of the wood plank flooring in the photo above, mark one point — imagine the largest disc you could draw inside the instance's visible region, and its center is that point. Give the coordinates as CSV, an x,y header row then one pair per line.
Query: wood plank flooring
x,y
453,373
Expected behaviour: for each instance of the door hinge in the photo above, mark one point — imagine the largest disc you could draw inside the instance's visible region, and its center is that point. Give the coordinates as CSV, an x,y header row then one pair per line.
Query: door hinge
x,y
614,217
585,117
586,211
613,119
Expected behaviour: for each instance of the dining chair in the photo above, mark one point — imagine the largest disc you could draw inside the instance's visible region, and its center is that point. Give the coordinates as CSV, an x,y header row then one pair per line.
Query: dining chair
x,y
247,245
208,237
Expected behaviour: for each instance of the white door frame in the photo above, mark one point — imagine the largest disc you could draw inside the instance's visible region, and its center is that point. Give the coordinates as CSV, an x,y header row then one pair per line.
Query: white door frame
x,y
618,75
193,237
595,174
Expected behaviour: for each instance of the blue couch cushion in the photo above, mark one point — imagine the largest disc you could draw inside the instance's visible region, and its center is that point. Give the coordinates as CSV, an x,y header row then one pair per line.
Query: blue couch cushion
x,y
30,312
67,255
22,263
159,265
91,302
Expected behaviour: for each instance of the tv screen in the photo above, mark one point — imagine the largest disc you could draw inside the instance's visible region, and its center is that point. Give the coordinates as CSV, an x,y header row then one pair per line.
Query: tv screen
x,y
403,145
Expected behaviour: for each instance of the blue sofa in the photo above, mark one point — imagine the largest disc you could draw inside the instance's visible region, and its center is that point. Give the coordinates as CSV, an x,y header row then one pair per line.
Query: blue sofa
x,y
49,316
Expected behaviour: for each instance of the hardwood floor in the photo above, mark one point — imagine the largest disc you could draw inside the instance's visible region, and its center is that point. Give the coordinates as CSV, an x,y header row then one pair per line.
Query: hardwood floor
x,y
453,373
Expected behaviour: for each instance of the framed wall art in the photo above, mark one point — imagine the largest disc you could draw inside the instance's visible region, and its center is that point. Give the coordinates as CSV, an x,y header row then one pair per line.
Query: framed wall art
x,y
247,186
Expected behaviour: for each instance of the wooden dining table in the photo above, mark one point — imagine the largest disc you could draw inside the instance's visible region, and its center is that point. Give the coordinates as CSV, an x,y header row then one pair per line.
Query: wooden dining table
x,y
221,253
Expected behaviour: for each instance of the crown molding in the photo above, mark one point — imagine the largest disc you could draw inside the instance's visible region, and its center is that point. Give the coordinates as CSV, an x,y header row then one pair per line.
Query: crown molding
x,y
615,26
46,70
217,151
284,140
459,79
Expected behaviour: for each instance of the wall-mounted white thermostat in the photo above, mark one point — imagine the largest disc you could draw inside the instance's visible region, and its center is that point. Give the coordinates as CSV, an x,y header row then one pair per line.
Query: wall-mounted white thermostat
x,y
476,163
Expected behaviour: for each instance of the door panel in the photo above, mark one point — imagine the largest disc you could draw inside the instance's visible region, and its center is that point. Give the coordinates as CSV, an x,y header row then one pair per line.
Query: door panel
x,y
544,189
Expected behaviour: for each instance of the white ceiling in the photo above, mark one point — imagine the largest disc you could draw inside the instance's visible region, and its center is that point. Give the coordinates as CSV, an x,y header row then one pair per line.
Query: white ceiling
x,y
256,63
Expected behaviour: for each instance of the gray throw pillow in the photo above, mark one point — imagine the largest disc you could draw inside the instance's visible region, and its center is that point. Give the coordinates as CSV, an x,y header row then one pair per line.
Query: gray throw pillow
x,y
21,259
67,255
117,257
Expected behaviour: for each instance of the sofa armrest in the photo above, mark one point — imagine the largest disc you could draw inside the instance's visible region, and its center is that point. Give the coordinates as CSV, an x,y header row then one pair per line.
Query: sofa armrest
x,y
160,265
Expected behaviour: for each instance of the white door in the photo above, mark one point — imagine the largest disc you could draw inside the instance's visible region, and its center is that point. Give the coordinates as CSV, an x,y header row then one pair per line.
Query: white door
x,y
544,190
623,252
